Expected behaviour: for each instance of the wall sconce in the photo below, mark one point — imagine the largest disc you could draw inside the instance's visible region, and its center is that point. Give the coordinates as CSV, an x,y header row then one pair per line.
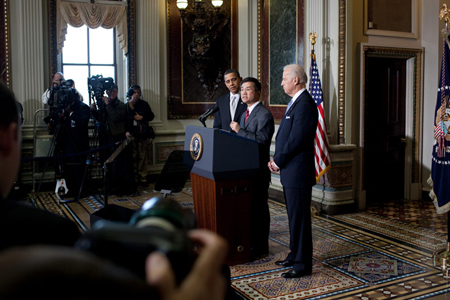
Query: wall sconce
x,y
206,23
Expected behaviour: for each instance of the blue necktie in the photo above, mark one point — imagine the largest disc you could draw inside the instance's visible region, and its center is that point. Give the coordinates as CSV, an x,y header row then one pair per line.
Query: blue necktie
x,y
289,105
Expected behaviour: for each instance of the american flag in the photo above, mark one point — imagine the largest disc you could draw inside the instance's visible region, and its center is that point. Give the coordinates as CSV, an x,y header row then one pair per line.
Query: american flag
x,y
440,161
321,148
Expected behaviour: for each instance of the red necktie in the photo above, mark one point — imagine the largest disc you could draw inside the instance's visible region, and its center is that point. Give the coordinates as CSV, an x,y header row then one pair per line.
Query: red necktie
x,y
246,117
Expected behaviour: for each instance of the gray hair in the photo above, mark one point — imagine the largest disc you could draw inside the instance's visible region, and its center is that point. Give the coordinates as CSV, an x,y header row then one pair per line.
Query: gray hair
x,y
297,71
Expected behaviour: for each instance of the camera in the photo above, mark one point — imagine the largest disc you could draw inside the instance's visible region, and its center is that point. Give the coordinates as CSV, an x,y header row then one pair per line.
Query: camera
x,y
61,97
98,85
64,94
161,225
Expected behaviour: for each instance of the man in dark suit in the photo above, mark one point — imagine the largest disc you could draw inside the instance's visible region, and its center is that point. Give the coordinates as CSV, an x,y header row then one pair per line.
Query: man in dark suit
x,y
230,105
257,124
294,158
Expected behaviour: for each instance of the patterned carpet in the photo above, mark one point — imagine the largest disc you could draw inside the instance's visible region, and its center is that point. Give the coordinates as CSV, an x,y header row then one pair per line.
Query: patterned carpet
x,y
385,252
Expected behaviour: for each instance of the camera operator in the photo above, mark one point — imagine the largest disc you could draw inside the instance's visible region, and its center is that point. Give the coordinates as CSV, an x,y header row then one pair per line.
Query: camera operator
x,y
76,140
56,81
112,113
139,114
68,121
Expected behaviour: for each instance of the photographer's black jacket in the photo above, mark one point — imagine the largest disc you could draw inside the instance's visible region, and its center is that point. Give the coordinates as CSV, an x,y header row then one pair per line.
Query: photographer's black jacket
x,y
142,108
76,128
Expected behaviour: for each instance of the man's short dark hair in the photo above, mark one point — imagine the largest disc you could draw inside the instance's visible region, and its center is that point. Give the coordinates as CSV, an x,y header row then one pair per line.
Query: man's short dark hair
x,y
9,113
135,87
255,82
229,71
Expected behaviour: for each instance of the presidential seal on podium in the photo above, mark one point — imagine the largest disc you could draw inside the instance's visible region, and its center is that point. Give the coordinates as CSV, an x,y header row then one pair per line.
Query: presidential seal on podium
x,y
196,146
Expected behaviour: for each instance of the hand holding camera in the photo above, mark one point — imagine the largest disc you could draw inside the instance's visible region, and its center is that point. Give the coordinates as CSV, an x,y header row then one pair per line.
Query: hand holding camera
x,y
161,226
205,280
106,100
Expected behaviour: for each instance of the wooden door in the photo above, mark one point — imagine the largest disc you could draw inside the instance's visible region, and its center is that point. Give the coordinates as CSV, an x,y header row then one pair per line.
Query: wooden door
x,y
384,129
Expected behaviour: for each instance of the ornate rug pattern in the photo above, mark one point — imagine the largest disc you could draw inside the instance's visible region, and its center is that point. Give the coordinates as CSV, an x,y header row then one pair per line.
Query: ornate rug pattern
x,y
356,256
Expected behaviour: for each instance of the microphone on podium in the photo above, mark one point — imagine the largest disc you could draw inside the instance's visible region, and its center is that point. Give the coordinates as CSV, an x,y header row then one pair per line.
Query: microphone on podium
x,y
207,113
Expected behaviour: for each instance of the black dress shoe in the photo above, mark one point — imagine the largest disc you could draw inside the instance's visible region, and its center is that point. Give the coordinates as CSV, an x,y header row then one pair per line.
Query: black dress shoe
x,y
284,263
295,274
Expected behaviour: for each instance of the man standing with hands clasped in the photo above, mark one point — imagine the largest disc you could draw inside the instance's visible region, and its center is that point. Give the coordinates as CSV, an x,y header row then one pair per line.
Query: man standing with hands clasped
x,y
294,158
230,105
257,124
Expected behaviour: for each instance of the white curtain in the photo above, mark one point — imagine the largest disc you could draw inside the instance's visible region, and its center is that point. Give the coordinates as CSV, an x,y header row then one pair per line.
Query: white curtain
x,y
92,15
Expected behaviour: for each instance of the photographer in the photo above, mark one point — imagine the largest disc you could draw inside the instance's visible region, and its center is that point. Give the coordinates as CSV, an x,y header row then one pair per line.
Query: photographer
x,y
68,122
56,81
112,114
139,114
65,273
76,139
61,272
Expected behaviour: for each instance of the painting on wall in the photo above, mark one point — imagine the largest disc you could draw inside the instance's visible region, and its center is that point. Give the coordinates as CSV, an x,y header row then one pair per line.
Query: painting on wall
x,y
202,45
282,43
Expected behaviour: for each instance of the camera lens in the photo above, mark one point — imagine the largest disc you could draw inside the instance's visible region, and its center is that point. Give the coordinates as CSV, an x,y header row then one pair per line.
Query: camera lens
x,y
164,212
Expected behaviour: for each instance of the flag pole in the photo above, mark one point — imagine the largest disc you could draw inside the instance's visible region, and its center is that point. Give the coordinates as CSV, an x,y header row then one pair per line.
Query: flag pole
x,y
312,39
442,259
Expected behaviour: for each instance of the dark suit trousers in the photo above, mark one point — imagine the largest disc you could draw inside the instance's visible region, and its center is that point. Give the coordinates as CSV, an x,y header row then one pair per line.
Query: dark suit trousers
x,y
298,202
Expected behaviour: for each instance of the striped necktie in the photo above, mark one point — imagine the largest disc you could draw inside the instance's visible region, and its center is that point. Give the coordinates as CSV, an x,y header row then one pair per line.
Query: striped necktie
x,y
246,116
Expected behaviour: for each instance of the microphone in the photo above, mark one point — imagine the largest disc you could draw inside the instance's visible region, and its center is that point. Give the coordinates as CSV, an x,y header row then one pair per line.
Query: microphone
x,y
207,113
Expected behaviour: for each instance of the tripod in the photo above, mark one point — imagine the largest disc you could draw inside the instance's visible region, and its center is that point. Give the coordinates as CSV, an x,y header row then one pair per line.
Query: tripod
x,y
69,142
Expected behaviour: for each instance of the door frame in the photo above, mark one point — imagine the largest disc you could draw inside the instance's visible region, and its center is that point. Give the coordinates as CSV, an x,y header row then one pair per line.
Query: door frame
x,y
413,116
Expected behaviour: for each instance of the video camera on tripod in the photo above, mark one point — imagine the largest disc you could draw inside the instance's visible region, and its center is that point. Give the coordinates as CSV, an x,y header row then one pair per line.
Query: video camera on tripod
x,y
97,86
61,97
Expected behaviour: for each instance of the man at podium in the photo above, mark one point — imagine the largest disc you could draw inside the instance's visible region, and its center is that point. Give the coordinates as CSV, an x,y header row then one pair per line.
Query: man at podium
x,y
257,124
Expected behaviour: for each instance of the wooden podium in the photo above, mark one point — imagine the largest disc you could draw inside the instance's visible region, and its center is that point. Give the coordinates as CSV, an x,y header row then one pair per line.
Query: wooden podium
x,y
221,185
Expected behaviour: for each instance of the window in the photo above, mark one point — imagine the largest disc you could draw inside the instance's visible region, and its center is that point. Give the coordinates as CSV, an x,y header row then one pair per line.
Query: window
x,y
88,52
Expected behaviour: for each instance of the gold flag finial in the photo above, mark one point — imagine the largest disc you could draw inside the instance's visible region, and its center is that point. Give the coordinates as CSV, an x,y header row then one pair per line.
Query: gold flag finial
x,y
312,39
444,14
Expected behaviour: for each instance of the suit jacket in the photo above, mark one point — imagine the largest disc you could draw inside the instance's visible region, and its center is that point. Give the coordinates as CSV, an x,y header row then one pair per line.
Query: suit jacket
x,y
294,145
259,127
222,117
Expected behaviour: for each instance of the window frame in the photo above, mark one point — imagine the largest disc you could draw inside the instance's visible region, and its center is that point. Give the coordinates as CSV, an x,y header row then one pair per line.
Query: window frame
x,y
89,64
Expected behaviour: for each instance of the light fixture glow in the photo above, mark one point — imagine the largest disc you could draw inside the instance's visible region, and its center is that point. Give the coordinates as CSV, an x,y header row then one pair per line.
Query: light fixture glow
x,y
217,3
182,4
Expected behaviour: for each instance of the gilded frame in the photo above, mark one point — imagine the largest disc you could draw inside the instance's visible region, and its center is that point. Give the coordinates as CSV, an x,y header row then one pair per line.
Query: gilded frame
x,y
263,71
416,107
412,34
177,106
5,59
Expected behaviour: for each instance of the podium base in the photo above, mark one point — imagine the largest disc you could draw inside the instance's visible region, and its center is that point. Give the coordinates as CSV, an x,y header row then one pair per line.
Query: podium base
x,y
223,206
